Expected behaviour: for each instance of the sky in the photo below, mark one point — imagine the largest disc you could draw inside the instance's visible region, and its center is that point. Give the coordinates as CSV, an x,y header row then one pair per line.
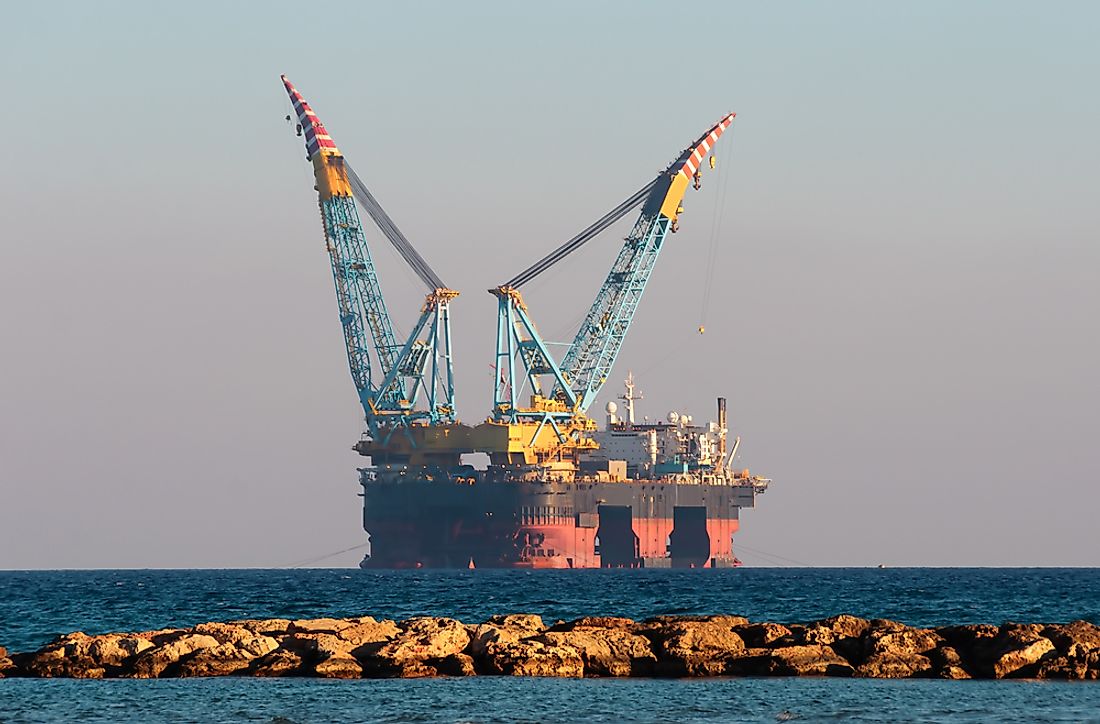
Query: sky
x,y
903,288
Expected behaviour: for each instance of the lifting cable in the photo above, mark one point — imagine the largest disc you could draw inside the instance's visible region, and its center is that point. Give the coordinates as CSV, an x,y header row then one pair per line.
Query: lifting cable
x,y
389,229
715,237
582,238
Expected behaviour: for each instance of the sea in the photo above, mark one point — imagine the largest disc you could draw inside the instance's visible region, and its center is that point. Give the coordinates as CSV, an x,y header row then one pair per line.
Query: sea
x,y
36,606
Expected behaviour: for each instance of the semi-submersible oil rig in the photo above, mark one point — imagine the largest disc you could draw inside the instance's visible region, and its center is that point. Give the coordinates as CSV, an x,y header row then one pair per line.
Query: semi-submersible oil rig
x,y
558,492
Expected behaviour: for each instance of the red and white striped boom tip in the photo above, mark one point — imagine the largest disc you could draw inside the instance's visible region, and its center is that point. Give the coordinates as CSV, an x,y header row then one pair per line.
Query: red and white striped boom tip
x,y
316,135
695,154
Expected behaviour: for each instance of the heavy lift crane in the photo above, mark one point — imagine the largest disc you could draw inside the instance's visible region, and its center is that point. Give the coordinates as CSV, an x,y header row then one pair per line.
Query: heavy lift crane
x,y
553,428
410,412
406,390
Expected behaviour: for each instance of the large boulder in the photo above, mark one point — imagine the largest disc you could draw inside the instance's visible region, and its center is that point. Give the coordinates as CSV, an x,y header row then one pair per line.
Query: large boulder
x,y
1074,639
426,638
419,644
894,651
528,657
223,660
264,626
759,635
338,666
280,662
808,660
81,656
1016,650
606,651
829,631
366,631
249,642
594,622
152,663
455,665
694,645
947,664
503,630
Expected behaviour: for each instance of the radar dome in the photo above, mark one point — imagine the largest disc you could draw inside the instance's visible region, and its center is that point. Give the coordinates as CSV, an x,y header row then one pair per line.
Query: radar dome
x,y
611,408
673,416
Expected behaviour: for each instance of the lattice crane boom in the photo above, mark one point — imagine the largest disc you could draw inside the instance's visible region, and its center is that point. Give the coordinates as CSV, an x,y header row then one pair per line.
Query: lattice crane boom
x,y
578,379
390,378
592,354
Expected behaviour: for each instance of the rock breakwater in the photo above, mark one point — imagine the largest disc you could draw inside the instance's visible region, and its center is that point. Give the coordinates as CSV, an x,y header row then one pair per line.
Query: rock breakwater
x,y
523,645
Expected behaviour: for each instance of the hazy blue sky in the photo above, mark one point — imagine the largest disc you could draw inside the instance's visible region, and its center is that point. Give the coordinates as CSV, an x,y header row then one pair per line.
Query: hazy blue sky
x,y
903,315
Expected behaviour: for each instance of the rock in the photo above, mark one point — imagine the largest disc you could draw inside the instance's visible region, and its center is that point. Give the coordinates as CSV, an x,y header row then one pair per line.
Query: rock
x,y
721,619
1015,650
532,658
836,628
281,662
250,643
524,621
597,622
842,633
899,640
1016,660
606,651
964,638
427,638
1062,667
694,646
222,660
503,629
114,650
318,625
81,656
1074,639
338,666
947,664
809,660
952,672
7,666
408,653
758,635
264,626
889,665
881,648
151,663
456,665
367,630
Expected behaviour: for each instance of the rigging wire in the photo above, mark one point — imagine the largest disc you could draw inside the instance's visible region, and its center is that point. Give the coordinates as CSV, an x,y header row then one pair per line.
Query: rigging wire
x,y
715,237
741,546
318,559
583,237
389,229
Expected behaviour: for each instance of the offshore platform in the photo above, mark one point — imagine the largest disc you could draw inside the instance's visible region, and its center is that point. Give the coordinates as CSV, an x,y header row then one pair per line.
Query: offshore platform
x,y
558,492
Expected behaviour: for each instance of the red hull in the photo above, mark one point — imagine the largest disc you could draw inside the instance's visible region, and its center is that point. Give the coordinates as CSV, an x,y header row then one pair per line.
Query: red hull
x,y
543,525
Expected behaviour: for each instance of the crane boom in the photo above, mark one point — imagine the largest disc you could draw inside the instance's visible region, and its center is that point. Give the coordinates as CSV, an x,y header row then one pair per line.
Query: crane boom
x,y
591,355
406,371
552,429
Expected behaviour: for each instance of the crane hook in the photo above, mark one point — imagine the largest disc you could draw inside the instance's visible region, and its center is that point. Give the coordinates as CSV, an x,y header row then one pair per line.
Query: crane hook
x,y
713,163
698,179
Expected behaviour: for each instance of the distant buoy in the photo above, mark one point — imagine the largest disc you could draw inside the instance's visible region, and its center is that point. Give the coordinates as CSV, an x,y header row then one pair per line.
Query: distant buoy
x,y
702,329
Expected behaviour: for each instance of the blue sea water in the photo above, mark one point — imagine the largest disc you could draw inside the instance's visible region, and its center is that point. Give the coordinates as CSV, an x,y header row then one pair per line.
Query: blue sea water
x,y
35,606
